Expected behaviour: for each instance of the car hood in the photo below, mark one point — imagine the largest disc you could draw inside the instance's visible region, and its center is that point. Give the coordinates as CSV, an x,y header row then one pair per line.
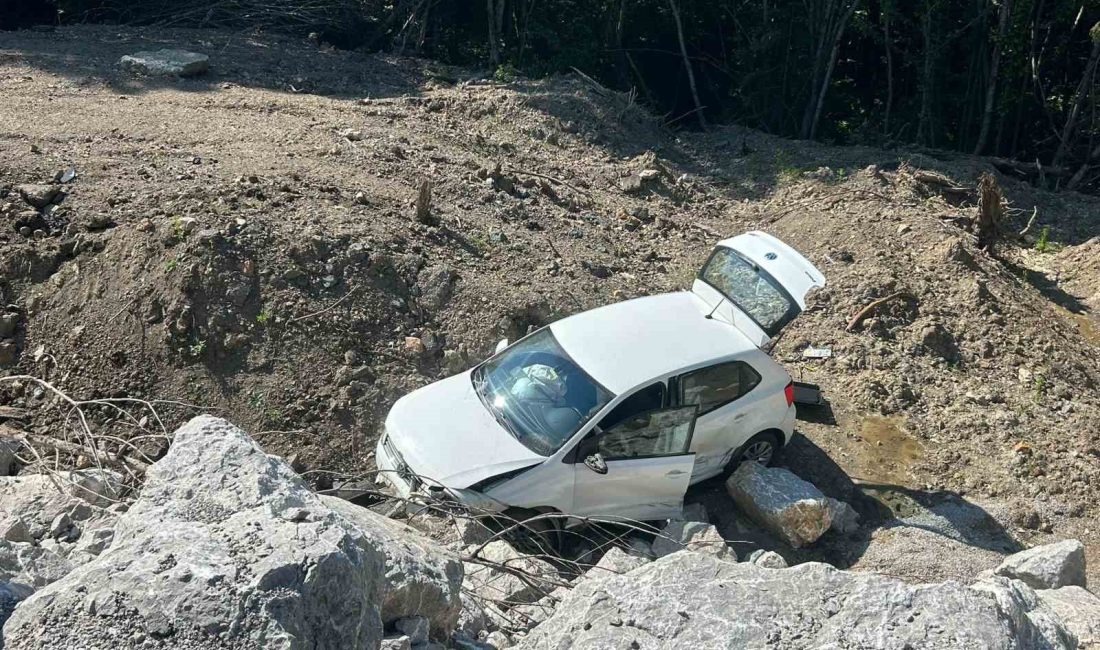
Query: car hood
x,y
444,433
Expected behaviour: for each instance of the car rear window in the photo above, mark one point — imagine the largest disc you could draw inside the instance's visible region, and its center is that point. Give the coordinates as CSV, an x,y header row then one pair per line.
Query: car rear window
x,y
750,288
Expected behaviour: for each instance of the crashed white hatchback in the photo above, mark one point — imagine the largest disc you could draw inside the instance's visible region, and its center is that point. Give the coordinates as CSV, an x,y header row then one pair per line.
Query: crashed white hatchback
x,y
615,411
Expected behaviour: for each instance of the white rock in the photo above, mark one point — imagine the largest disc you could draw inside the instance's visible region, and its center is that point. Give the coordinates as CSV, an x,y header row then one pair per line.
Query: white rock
x,y
769,560
492,584
1047,567
167,62
210,555
694,536
691,600
398,642
792,509
845,519
1078,610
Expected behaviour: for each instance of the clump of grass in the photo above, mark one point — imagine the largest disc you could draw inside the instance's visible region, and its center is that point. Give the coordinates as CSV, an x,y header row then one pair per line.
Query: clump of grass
x,y
1043,245
505,73
264,316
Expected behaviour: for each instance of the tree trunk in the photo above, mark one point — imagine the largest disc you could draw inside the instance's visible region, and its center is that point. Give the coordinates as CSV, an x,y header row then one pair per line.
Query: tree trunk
x,y
494,50
687,64
886,9
925,130
1078,99
819,101
994,72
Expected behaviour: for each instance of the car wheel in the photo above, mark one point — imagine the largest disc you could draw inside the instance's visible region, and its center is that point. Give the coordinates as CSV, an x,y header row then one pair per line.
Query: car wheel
x,y
761,448
536,535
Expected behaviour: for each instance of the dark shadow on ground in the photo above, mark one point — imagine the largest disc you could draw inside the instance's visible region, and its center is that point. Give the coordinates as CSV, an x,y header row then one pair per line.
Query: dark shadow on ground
x,y
1048,287
939,512
89,54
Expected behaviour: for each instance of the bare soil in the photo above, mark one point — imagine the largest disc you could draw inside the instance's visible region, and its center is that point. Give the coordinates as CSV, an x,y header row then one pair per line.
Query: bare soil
x,y
248,242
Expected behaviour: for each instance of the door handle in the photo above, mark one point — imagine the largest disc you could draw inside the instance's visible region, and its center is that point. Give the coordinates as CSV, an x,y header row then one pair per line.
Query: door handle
x,y
676,472
739,416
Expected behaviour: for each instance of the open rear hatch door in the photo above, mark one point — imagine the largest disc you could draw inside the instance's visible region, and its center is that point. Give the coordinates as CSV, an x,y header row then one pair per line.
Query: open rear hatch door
x,y
756,283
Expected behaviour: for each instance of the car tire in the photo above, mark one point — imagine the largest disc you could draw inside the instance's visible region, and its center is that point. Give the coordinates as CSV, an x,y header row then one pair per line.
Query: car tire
x,y
536,535
761,448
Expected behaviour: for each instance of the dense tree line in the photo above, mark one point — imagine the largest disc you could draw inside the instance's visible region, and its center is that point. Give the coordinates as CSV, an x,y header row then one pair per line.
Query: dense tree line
x,y
1016,79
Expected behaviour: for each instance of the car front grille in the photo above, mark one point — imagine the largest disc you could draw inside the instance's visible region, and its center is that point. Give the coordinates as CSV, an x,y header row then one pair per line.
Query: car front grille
x,y
400,466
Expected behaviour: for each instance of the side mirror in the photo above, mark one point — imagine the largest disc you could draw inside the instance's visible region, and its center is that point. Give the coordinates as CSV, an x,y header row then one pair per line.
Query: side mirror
x,y
596,463
501,346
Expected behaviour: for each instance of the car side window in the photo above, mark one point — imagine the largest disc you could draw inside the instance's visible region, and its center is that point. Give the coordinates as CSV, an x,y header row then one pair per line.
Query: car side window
x,y
665,432
714,386
650,398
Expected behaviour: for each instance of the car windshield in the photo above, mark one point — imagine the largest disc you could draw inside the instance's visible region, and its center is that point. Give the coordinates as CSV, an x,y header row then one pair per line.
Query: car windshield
x,y
538,393
750,288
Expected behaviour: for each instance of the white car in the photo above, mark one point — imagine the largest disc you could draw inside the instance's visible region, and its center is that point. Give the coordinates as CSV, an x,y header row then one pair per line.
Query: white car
x,y
614,412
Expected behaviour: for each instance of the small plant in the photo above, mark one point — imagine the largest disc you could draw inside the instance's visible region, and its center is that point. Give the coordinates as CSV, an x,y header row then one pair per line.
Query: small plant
x,y
505,73
171,265
177,227
264,316
1039,386
1043,245
197,348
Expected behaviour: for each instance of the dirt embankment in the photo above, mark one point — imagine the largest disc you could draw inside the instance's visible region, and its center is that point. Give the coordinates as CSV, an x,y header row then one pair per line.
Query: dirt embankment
x,y
247,241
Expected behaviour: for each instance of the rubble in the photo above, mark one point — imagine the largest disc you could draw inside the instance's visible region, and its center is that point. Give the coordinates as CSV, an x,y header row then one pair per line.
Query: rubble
x,y
694,536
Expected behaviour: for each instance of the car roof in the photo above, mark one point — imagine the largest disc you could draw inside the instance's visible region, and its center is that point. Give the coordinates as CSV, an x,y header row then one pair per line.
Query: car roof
x,y
628,343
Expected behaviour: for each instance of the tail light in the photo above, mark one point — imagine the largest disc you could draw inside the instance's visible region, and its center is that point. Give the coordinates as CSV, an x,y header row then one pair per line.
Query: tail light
x,y
788,392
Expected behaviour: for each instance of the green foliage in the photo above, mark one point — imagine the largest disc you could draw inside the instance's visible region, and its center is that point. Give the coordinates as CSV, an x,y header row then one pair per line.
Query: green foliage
x,y
197,349
1043,245
264,316
171,265
506,73
911,72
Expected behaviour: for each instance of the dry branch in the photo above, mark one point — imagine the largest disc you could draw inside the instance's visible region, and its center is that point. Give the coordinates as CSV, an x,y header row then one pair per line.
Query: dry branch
x,y
864,313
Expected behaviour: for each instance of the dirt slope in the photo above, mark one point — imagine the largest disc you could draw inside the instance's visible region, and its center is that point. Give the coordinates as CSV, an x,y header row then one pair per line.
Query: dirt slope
x,y
248,242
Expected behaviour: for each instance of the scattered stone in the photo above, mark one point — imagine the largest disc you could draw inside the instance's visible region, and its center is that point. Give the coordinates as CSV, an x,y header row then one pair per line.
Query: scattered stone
x,y
38,196
397,642
904,228
167,62
1049,566
695,536
631,184
794,510
435,285
414,346
498,640
12,529
768,559
937,340
845,519
8,323
415,627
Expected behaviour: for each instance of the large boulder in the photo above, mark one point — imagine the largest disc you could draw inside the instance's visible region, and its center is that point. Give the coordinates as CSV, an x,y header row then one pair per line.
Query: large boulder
x,y
420,580
1048,566
1078,610
692,600
776,499
227,548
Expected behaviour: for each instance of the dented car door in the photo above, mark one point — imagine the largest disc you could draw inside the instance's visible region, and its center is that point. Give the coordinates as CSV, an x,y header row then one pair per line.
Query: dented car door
x,y
638,469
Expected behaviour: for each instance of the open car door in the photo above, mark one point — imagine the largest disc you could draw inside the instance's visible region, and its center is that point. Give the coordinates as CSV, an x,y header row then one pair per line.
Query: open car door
x,y
756,283
639,469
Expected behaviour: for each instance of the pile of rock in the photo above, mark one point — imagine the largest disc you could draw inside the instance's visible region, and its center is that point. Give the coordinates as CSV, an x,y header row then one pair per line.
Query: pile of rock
x,y
226,548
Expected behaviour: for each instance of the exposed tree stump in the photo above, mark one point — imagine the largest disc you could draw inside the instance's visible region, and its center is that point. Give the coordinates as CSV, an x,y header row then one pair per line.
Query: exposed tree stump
x,y
991,211
424,203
